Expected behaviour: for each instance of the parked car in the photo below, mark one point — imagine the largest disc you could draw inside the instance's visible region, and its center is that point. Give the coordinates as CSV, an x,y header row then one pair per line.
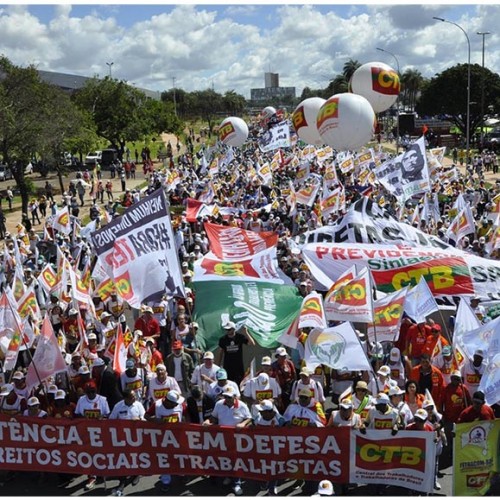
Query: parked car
x,y
93,156
5,173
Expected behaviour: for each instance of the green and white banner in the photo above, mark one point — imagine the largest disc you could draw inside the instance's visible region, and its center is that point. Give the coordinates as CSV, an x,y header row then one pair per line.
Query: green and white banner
x,y
266,309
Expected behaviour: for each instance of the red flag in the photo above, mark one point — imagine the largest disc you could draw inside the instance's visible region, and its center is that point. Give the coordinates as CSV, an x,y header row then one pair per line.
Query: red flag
x,y
425,128
120,357
47,360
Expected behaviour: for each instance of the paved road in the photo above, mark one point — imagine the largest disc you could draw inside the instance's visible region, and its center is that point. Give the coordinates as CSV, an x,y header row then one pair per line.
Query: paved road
x,y
27,484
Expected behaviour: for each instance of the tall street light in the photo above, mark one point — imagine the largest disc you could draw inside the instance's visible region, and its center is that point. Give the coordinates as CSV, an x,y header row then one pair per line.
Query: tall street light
x,y
109,64
467,126
397,100
483,34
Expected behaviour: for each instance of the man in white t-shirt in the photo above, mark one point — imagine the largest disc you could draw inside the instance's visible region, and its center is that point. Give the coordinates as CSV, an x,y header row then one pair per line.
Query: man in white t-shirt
x,y
127,409
204,374
231,412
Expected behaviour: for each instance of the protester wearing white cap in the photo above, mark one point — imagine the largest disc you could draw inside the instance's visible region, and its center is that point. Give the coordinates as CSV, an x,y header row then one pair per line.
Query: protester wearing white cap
x,y
446,362
472,371
383,380
19,381
10,402
344,416
283,370
399,366
34,409
160,384
230,354
231,412
307,382
267,415
169,410
382,416
396,395
259,388
204,374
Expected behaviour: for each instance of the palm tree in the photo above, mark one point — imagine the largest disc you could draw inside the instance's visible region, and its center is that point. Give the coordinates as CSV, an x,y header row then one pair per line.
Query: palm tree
x,y
411,85
349,68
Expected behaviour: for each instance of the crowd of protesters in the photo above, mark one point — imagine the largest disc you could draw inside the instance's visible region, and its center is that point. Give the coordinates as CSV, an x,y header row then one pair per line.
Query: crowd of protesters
x,y
166,374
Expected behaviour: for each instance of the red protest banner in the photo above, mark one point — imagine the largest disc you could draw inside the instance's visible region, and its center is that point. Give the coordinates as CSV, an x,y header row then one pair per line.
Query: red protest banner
x,y
121,447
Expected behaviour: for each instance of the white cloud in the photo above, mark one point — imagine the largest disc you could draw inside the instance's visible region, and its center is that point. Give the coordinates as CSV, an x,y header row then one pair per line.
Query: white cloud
x,y
231,46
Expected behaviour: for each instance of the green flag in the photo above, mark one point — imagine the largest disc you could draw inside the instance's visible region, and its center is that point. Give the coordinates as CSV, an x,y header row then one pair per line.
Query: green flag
x,y
266,309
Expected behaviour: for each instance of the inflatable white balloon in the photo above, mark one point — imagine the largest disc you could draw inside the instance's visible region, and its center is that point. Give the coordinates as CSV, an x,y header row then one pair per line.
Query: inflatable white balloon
x,y
304,120
233,131
378,83
346,121
267,112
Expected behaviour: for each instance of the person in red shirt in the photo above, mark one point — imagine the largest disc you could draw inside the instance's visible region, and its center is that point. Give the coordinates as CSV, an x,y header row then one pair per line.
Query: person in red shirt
x,y
428,377
416,338
456,398
434,339
283,370
148,325
478,410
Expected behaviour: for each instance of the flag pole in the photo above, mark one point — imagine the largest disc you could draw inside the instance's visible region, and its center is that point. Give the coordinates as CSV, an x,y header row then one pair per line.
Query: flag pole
x,y
372,305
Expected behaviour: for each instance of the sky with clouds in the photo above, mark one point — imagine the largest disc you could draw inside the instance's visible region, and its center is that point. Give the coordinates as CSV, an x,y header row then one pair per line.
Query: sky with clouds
x,y
231,46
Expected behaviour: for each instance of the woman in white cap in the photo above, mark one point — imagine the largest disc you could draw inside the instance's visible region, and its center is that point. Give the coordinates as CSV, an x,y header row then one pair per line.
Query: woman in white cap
x,y
168,410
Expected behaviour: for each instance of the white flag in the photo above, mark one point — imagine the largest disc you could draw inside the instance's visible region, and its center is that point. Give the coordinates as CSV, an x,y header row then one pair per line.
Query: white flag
x,y
420,302
490,381
336,347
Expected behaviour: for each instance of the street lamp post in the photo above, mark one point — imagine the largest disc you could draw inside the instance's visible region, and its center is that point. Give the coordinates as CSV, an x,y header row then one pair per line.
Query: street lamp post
x,y
109,64
397,100
467,125
483,34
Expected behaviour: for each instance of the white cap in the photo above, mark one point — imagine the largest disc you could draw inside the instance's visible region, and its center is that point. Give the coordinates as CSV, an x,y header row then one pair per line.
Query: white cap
x,y
265,405
384,370
33,401
281,351
18,375
421,414
229,325
60,394
6,389
396,391
105,314
208,355
98,362
83,370
175,397
263,378
382,399
266,361
325,487
346,403
395,354
229,391
72,311
92,336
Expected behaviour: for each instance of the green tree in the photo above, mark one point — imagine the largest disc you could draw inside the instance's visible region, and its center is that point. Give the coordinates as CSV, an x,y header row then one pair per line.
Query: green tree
x,y
349,68
34,117
121,112
446,94
412,83
233,103
207,103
